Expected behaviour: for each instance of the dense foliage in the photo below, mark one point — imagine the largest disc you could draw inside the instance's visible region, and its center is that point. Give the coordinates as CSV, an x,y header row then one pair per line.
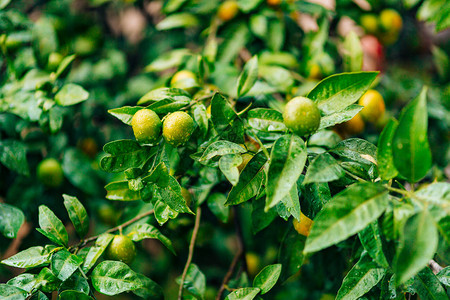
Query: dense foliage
x,y
253,149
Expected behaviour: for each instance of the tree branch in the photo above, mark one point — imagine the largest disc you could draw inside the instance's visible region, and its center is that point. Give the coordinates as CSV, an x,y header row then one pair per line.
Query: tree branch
x,y
114,229
434,266
191,251
240,255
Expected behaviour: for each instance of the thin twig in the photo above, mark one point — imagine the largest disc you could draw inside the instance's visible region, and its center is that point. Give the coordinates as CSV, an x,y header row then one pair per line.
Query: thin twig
x,y
434,266
119,227
240,255
191,251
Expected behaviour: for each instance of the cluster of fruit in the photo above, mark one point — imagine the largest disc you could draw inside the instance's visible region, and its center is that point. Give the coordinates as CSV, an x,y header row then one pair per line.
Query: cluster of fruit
x,y
386,26
176,127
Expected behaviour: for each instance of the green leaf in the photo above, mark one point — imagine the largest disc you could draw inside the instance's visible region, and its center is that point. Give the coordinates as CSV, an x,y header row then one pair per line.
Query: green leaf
x,y
195,281
115,277
265,119
11,219
71,94
53,226
371,240
443,276
96,251
119,191
39,296
13,155
287,160
221,148
73,295
65,63
225,120
9,292
250,180
64,264
364,275
323,168
163,212
260,218
229,50
410,149
201,118
427,285
436,193
125,154
29,258
216,203
4,3
76,282
336,92
147,231
352,53
229,164
314,197
47,281
24,281
248,76
125,114
386,166
358,150
248,293
179,20
78,170
291,254
166,61
339,117
418,244
347,213
150,289
267,278
77,214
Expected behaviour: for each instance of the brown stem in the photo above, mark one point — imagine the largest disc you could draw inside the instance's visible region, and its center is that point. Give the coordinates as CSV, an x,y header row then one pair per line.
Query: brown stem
x,y
191,251
240,255
434,266
119,227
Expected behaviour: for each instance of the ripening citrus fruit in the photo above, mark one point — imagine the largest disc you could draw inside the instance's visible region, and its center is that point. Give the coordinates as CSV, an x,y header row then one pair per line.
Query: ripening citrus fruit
x,y
390,19
50,172
253,263
185,80
274,2
146,126
374,107
88,146
352,127
107,214
228,10
121,248
304,225
370,23
178,128
301,116
315,72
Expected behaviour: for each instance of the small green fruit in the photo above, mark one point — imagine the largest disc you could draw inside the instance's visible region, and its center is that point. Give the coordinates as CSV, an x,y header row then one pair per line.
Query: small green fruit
x,y
178,128
301,116
146,126
50,172
122,249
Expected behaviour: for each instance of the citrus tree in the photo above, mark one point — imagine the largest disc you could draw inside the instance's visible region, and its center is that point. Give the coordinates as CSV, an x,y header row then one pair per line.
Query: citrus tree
x,y
249,151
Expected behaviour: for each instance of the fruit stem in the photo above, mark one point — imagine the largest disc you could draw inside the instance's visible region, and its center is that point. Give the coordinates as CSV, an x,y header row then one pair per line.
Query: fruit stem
x,y
191,250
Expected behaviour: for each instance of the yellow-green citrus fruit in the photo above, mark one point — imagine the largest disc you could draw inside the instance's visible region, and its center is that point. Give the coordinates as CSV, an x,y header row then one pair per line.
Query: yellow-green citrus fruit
x,y
121,248
107,214
303,226
146,126
352,127
178,128
253,263
370,23
390,19
185,80
315,72
54,59
50,172
187,196
374,107
301,116
228,10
